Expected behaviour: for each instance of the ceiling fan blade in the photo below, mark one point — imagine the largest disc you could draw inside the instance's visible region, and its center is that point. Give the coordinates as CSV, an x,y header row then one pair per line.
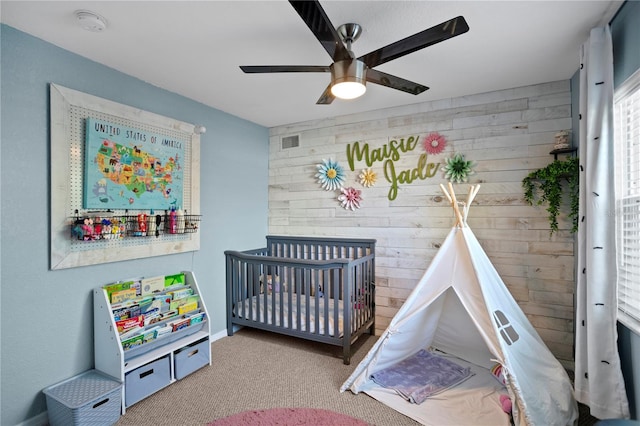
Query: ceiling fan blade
x,y
428,37
318,22
384,79
252,69
327,97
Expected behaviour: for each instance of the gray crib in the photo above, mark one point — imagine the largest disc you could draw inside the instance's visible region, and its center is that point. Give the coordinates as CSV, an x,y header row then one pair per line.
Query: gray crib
x,y
319,289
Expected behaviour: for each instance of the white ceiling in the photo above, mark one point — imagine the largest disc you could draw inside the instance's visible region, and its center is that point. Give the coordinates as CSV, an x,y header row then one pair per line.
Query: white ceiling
x,y
194,48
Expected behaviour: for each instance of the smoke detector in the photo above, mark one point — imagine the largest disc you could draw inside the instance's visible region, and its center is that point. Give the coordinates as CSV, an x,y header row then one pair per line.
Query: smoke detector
x,y
91,21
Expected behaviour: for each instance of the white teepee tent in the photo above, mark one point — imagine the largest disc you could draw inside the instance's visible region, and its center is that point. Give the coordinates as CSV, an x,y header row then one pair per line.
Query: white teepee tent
x,y
462,307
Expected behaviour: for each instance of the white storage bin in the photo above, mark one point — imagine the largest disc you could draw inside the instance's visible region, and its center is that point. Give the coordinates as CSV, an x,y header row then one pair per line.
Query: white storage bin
x,y
145,380
191,358
90,398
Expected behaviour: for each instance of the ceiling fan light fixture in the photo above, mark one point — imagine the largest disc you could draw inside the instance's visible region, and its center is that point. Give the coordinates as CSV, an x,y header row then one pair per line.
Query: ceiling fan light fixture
x,y
348,90
348,79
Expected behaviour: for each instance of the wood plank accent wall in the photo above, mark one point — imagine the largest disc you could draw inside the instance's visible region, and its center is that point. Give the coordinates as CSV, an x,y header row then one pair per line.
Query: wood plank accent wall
x,y
508,133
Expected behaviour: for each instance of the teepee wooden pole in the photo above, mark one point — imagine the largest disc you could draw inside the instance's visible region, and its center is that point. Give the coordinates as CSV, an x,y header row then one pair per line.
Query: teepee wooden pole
x,y
470,195
461,218
446,193
473,190
454,203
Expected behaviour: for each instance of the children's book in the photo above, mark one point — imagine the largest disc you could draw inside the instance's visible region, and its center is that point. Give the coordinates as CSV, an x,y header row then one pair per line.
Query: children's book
x,y
135,331
134,311
152,285
163,331
175,304
187,308
125,285
180,294
145,303
123,295
180,324
149,334
161,302
129,323
137,284
174,280
196,318
152,316
124,311
115,287
168,314
120,305
132,342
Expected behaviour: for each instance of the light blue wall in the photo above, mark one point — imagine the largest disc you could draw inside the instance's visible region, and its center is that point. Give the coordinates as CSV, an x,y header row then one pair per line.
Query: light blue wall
x,y
625,32
47,316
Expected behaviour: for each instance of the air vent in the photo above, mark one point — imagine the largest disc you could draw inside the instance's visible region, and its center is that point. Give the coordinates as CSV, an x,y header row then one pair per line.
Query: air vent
x,y
290,142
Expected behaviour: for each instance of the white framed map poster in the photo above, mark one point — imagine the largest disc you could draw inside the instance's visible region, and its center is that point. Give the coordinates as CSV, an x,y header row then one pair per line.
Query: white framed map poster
x,y
110,161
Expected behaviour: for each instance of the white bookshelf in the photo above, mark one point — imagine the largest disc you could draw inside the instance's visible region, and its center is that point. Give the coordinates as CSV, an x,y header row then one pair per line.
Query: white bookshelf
x,y
111,359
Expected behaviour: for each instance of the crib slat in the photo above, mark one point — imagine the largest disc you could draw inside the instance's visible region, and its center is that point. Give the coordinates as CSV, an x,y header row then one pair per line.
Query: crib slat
x,y
290,296
307,304
298,298
338,297
315,282
326,301
275,284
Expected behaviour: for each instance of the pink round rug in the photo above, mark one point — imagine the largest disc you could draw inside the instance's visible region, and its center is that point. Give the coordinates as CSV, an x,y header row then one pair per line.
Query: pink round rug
x,y
289,417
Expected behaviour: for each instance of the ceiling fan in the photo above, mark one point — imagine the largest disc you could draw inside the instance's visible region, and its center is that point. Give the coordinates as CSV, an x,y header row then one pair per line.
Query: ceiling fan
x,y
348,73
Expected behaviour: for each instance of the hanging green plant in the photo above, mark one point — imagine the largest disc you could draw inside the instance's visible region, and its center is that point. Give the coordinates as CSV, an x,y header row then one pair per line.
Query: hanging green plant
x,y
545,186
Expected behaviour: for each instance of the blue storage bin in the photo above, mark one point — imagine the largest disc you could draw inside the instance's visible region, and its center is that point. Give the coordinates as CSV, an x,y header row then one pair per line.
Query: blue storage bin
x,y
145,380
191,358
89,398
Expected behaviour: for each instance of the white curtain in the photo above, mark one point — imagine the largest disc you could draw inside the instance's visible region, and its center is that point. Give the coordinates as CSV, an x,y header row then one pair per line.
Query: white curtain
x,y
598,376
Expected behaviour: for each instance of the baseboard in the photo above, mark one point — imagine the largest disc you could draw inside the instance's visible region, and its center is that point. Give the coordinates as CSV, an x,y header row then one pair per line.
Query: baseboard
x,y
41,419
219,335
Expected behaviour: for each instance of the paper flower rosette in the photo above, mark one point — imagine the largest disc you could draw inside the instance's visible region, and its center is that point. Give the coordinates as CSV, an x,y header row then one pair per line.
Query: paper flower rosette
x,y
350,198
368,177
330,175
457,169
434,143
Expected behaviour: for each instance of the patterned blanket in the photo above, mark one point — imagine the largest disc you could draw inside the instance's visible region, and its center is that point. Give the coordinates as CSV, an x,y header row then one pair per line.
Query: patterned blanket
x,y
421,375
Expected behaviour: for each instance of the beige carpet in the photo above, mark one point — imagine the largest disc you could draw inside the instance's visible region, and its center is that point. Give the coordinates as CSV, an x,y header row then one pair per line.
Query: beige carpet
x,y
288,416
259,370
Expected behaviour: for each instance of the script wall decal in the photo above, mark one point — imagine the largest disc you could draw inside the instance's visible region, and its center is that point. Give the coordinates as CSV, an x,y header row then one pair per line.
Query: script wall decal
x,y
389,154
